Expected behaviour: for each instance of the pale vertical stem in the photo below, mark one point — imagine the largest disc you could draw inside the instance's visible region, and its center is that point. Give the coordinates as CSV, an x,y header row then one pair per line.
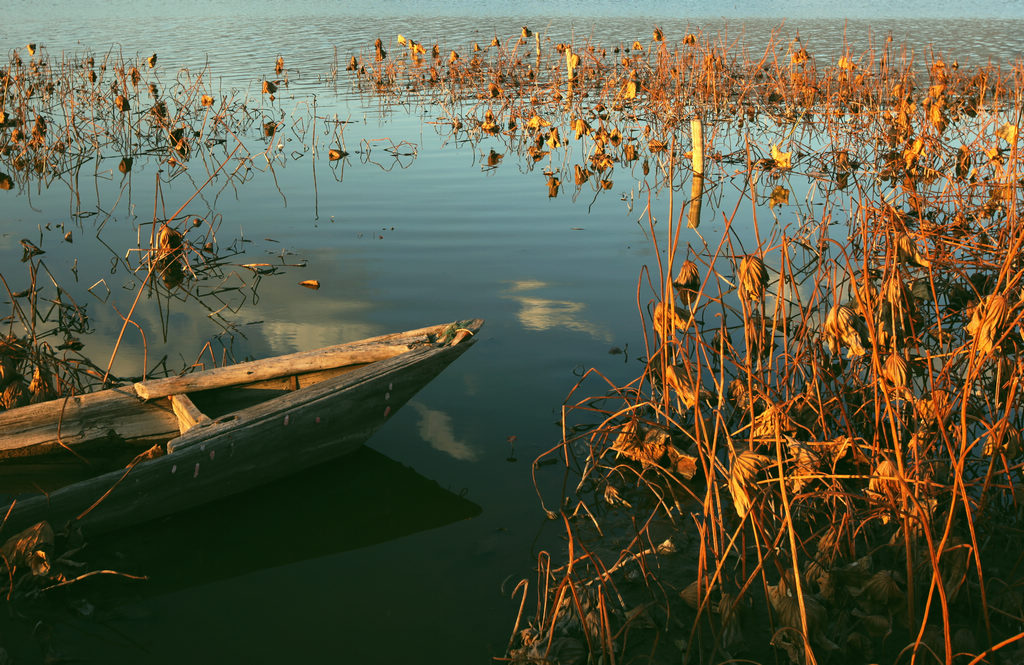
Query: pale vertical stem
x,y
697,136
697,159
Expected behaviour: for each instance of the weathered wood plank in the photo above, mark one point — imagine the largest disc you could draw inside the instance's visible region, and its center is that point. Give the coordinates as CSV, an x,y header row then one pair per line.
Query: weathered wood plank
x,y
107,415
269,368
188,413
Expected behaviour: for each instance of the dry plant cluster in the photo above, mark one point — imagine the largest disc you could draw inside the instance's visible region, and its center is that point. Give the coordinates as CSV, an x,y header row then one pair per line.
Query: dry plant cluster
x,y
821,457
73,117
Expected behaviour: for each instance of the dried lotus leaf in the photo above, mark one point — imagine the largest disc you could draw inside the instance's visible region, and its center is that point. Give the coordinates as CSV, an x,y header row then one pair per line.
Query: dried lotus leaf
x,y
629,90
627,438
41,387
169,241
753,277
933,409
895,371
844,327
667,321
565,650
30,548
772,421
804,465
8,364
820,578
876,626
14,395
836,449
954,566
645,446
681,464
907,252
988,322
743,475
686,389
883,487
1004,439
536,122
883,591
688,277
739,394
694,593
896,292
1008,132
787,611
783,160
780,196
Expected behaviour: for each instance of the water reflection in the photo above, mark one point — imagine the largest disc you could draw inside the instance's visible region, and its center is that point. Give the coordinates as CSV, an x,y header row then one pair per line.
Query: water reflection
x,y
333,325
547,314
264,539
436,429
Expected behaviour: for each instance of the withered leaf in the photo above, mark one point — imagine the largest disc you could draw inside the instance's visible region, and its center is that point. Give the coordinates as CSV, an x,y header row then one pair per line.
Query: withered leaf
x,y
780,196
1008,132
783,160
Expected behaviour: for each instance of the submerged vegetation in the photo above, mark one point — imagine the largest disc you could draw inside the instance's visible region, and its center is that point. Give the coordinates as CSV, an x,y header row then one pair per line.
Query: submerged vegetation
x,y
822,453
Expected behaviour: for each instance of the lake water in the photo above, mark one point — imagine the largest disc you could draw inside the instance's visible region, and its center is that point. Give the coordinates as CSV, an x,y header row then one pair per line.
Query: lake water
x,y
408,555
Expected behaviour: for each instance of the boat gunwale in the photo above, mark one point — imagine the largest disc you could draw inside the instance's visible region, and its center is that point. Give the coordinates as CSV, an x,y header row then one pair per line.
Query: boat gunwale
x,y
426,361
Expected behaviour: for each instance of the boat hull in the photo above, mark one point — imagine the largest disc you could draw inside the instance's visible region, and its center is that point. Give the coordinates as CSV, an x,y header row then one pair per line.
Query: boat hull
x,y
243,449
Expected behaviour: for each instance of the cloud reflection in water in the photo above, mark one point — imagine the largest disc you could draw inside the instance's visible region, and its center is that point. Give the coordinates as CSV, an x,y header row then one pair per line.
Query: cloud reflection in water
x,y
546,314
436,429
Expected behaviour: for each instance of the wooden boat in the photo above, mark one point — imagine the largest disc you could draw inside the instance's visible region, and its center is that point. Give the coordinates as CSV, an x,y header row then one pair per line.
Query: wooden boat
x,y
216,432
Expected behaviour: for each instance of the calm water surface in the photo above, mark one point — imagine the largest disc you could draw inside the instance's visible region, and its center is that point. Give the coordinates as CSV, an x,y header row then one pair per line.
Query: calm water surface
x,y
406,553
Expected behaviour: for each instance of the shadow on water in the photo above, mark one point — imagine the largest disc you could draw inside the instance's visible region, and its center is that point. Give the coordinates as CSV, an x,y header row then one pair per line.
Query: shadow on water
x,y
359,501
